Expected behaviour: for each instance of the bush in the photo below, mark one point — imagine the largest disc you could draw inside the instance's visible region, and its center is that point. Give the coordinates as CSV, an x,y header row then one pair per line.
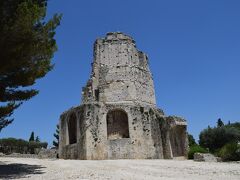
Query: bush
x,y
195,149
230,152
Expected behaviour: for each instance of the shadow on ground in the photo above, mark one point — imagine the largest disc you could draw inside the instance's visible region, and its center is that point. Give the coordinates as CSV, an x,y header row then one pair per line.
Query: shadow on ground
x,y
15,171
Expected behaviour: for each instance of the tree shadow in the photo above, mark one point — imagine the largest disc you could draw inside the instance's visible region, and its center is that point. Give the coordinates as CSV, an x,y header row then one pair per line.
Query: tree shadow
x,y
15,170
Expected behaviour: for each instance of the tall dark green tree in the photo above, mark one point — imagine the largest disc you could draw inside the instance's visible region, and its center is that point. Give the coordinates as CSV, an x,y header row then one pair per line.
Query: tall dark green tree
x,y
191,140
56,135
37,139
220,123
32,137
27,46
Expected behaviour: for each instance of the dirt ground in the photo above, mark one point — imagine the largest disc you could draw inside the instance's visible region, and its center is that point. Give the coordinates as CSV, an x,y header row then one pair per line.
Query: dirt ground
x,y
21,168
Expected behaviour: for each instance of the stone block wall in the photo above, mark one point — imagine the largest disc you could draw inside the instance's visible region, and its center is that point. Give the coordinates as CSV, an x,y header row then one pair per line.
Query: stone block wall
x,y
120,72
150,134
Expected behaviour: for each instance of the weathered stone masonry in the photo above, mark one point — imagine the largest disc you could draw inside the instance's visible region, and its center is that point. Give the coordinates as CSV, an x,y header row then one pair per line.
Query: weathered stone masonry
x,y
118,117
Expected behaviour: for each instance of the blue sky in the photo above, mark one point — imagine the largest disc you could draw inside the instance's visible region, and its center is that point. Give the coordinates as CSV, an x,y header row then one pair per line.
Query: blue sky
x,y
193,48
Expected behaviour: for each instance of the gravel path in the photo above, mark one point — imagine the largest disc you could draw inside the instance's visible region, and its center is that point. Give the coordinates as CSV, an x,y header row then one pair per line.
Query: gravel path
x,y
21,168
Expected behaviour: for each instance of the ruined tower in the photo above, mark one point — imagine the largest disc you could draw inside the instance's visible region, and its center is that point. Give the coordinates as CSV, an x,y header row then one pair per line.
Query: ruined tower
x,y
118,117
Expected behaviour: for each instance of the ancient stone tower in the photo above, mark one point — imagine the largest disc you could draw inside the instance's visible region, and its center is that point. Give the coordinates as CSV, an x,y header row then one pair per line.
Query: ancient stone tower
x,y
118,117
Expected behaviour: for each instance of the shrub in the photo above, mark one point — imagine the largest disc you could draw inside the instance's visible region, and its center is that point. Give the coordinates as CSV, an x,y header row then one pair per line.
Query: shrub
x,y
230,152
195,149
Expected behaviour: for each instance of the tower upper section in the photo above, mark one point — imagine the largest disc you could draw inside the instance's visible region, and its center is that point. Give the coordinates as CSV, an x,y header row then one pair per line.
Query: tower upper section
x,y
120,73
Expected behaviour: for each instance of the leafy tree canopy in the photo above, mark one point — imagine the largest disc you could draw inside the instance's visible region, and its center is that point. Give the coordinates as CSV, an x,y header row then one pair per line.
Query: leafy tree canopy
x,y
216,137
27,46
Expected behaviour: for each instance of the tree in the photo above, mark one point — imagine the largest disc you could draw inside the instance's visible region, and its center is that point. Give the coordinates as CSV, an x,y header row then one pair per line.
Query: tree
x,y
32,137
11,145
37,139
215,138
220,123
191,140
56,135
27,46
230,152
234,125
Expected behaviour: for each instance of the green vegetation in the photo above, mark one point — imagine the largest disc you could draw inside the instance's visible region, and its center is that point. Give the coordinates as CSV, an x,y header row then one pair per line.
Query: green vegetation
x,y
220,123
235,125
31,137
12,145
194,149
27,46
215,138
191,140
230,152
37,139
56,135
222,140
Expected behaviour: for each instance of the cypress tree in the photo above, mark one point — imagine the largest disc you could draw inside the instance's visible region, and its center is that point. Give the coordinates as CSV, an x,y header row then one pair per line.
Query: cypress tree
x,y
37,139
220,123
32,137
56,135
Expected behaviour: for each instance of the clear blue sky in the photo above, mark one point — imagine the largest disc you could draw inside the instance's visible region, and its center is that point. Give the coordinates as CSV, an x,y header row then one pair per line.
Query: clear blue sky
x,y
193,48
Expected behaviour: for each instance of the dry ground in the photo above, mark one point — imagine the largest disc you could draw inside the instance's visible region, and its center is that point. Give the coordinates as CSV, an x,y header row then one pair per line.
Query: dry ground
x,y
21,168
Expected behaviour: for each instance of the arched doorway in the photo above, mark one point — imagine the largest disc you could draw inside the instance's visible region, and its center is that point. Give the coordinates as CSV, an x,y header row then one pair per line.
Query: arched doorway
x,y
72,129
117,124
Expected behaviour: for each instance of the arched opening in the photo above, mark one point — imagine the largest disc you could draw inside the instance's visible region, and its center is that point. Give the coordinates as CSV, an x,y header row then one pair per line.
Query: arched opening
x,y
117,124
72,128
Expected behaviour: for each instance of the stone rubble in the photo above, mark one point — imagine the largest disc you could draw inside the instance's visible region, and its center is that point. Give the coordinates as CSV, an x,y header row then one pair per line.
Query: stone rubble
x,y
206,157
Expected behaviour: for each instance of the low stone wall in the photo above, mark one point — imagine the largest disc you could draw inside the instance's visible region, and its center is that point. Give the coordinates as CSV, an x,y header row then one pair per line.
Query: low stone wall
x,y
48,154
43,154
18,155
